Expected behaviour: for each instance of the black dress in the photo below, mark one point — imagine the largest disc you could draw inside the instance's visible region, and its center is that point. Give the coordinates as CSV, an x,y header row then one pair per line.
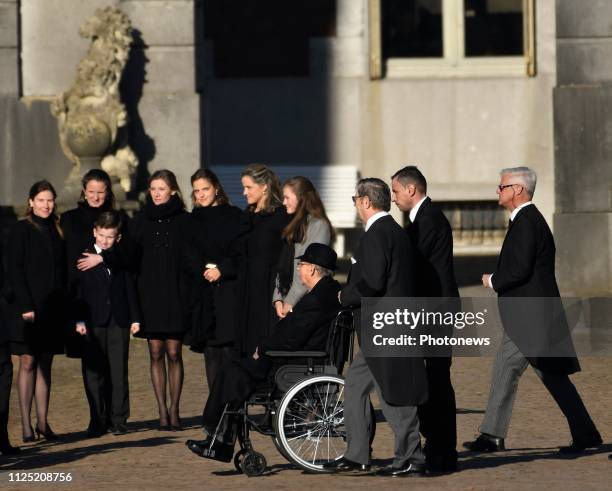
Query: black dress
x,y
263,245
36,267
158,234
214,235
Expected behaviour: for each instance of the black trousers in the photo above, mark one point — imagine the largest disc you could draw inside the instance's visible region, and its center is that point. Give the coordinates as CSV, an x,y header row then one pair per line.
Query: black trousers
x,y
438,416
6,380
233,384
105,363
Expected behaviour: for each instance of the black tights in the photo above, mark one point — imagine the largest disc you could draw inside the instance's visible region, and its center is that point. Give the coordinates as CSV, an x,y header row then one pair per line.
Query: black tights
x,y
34,383
159,352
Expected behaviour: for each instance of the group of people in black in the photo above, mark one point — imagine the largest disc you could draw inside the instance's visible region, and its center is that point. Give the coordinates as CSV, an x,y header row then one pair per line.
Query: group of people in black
x,y
234,284
216,279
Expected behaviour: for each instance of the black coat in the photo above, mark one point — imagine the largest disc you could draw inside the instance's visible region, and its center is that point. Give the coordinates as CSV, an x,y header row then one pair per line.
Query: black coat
x,y
432,236
158,234
214,235
263,245
36,281
384,267
526,269
102,293
306,328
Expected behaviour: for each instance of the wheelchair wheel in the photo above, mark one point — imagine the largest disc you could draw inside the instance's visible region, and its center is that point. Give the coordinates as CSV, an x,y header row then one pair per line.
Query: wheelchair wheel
x,y
309,423
239,458
253,463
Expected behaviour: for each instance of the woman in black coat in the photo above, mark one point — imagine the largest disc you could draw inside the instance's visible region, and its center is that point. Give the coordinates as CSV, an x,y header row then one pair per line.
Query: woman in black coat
x,y
213,260
36,267
158,235
267,218
77,225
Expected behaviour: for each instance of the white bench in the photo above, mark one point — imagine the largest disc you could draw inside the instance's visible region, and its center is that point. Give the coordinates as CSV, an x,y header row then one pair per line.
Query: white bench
x,y
335,184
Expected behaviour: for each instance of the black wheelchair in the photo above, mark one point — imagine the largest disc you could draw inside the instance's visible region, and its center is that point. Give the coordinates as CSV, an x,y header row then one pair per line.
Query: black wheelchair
x,y
303,403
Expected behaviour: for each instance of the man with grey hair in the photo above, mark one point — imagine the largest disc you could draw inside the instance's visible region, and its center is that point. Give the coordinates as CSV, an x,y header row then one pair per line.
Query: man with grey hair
x,y
383,266
526,269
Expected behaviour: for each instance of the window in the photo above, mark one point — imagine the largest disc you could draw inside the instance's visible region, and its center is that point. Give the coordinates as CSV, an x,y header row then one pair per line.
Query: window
x,y
451,38
265,38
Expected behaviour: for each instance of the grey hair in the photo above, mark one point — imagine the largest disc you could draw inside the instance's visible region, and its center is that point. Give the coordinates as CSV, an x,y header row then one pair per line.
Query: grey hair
x,y
323,271
528,177
377,190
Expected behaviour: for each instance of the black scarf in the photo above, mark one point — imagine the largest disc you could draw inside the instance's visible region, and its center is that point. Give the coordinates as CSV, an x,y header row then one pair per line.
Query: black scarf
x,y
170,208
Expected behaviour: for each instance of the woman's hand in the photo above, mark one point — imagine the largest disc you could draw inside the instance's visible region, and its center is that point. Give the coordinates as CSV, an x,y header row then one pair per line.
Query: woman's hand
x,y
212,274
81,328
135,327
287,307
90,260
28,316
279,307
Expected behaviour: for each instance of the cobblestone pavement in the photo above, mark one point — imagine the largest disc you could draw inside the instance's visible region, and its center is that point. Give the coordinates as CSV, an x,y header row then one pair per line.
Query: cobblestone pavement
x,y
149,459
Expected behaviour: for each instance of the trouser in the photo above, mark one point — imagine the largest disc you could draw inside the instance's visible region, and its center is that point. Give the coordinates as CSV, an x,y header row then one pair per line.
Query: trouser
x,y
438,416
508,367
105,361
233,384
6,379
359,423
215,357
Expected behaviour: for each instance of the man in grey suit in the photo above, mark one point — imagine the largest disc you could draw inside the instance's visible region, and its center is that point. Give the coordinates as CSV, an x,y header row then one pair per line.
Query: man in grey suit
x,y
526,271
379,269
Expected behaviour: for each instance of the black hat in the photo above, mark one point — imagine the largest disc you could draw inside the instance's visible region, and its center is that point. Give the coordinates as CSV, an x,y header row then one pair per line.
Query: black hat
x,y
321,255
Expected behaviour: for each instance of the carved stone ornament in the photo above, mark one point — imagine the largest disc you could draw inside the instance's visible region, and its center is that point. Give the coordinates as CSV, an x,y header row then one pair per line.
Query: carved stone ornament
x,y
90,113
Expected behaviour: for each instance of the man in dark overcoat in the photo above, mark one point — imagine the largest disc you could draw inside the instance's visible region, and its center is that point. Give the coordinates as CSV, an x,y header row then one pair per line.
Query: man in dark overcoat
x,y
6,374
527,289
381,268
432,236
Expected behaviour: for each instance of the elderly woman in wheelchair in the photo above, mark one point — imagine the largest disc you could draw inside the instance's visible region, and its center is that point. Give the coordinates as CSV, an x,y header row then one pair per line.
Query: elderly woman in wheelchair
x,y
300,391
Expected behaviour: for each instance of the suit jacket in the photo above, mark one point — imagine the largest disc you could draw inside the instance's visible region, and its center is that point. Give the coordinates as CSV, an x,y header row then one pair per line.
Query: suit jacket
x,y
307,326
432,236
526,268
384,266
102,295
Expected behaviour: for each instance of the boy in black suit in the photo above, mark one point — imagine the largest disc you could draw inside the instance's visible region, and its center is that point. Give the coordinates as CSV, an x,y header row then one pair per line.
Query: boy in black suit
x,y
107,311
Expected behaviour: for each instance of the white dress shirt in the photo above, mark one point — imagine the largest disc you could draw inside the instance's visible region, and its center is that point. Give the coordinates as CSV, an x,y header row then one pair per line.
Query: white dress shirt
x,y
375,217
415,209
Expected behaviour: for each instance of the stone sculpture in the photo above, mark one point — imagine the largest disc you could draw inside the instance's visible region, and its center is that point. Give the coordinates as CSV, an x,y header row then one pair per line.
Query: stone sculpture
x,y
90,113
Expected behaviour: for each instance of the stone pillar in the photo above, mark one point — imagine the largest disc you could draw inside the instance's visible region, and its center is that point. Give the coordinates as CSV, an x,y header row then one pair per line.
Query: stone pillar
x,y
168,103
583,147
9,42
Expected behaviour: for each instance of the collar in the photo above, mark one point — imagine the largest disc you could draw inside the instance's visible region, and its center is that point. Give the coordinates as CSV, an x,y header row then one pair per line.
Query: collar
x,y
375,217
519,208
98,250
415,209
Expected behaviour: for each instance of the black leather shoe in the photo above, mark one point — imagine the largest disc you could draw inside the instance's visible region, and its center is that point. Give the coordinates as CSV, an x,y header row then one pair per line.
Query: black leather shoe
x,y
345,465
220,451
95,431
581,444
7,449
119,429
485,443
409,470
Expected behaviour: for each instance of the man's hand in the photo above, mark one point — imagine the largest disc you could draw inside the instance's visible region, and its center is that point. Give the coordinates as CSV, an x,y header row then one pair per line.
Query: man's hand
x,y
135,327
256,354
28,316
81,328
90,260
486,280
